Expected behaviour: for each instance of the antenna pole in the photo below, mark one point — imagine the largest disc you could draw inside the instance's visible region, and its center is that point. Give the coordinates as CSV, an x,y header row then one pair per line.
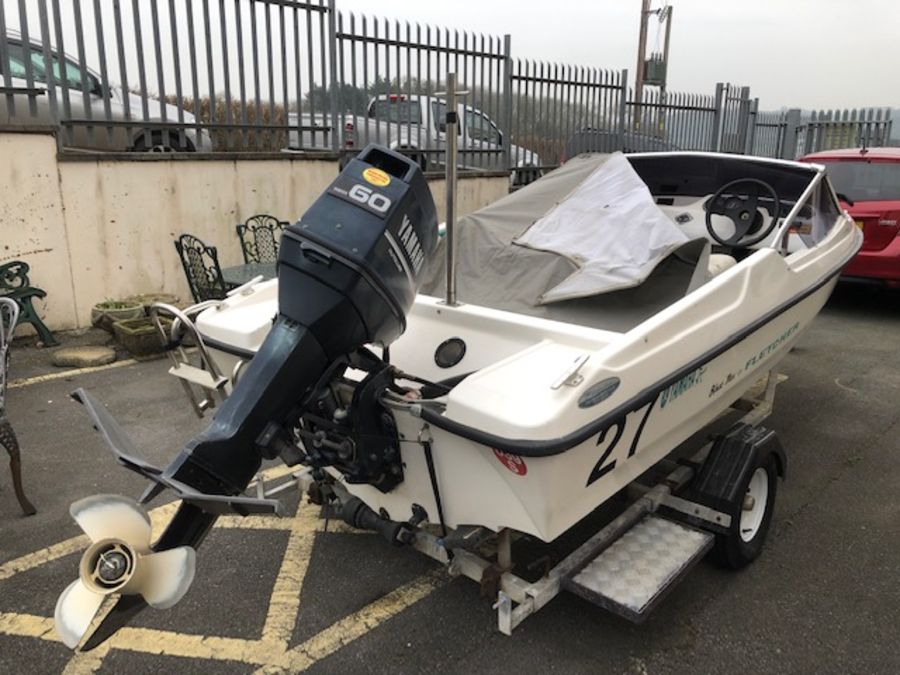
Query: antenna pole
x,y
451,122
450,140
641,64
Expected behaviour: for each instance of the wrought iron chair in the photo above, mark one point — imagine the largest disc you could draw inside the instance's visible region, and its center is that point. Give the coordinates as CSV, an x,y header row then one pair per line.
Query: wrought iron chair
x,y
15,285
9,314
260,237
201,267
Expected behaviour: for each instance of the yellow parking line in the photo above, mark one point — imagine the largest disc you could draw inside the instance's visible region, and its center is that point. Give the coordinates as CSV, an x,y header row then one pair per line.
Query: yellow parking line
x,y
146,640
85,663
45,555
27,625
286,525
284,603
160,517
273,473
169,643
253,523
352,627
25,381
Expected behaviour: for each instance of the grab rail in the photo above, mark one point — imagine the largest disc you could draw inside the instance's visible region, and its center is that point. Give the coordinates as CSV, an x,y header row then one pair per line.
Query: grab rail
x,y
206,376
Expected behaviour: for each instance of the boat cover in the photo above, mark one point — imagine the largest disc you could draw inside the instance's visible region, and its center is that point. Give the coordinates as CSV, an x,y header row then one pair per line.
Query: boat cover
x,y
557,247
610,227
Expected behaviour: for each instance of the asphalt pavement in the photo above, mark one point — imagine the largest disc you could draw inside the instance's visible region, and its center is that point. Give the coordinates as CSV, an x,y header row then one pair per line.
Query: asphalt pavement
x,y
287,595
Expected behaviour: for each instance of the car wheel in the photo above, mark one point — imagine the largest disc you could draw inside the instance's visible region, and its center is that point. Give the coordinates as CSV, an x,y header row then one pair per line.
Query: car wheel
x,y
160,142
526,174
418,157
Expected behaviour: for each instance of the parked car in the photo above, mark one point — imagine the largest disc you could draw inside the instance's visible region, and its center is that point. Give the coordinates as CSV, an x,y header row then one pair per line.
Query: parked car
x,y
589,139
415,124
91,104
868,183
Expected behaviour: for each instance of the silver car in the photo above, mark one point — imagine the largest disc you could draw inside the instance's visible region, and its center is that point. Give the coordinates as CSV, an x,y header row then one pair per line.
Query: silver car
x,y
88,100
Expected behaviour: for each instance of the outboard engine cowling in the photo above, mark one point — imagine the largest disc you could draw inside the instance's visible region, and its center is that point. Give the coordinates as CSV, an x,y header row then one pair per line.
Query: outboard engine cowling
x,y
359,252
348,272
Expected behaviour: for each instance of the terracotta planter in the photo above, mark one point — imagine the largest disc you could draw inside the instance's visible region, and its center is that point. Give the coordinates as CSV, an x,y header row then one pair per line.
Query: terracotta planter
x,y
103,316
139,336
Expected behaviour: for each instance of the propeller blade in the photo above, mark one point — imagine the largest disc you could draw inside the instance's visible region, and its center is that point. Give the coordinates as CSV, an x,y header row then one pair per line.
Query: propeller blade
x,y
74,612
166,576
189,527
113,517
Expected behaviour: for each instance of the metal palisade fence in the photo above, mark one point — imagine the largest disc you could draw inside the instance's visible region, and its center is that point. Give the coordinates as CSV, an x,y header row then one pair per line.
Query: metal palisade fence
x,y
389,79
558,111
294,75
163,75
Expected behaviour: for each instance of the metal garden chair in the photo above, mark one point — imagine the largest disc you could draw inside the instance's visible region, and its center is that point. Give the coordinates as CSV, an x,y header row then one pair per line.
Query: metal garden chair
x,y
201,267
15,285
259,238
9,314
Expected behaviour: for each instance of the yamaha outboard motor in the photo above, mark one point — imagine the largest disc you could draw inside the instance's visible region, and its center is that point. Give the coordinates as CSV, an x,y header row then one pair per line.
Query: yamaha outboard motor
x,y
348,273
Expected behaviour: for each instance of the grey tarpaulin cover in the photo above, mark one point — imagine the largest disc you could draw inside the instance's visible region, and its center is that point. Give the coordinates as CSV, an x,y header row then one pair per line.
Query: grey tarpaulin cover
x,y
495,272
610,227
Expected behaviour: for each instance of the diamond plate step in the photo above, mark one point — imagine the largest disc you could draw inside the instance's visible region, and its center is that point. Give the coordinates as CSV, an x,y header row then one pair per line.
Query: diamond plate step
x,y
633,574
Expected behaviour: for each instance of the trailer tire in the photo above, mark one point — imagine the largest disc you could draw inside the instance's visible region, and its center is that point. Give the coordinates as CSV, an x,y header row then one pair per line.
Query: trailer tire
x,y
749,526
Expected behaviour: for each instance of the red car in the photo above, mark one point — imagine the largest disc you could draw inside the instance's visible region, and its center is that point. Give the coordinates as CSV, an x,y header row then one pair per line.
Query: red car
x,y
868,183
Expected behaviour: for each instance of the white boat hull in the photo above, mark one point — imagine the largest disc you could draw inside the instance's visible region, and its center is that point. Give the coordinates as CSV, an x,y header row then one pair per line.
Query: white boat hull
x,y
677,372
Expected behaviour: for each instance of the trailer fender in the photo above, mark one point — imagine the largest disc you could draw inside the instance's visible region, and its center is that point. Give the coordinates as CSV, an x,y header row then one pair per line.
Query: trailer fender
x,y
732,457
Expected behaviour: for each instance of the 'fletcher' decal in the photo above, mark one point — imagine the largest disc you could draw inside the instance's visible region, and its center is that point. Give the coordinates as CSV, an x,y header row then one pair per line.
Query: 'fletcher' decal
x,y
766,351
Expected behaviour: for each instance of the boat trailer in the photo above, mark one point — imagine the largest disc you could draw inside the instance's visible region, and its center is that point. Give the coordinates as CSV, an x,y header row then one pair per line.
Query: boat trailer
x,y
628,566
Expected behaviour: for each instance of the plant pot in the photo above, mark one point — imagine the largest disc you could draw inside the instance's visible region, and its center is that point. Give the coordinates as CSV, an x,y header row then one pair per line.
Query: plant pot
x,y
147,299
140,336
105,314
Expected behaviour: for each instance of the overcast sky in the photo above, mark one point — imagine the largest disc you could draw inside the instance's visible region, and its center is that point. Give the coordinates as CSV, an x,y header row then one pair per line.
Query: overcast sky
x,y
792,53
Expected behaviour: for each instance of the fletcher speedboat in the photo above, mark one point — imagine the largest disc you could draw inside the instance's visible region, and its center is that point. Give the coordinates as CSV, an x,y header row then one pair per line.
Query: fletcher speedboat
x,y
578,332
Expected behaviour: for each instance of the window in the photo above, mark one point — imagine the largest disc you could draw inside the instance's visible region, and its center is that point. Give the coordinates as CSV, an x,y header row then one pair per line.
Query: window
x,y
480,128
865,181
39,69
395,109
439,111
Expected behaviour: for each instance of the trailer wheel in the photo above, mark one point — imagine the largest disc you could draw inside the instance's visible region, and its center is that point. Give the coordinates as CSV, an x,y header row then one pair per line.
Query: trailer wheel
x,y
750,517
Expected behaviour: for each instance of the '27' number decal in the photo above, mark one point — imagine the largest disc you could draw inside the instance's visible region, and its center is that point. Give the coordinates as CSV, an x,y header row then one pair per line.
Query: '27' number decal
x,y
604,465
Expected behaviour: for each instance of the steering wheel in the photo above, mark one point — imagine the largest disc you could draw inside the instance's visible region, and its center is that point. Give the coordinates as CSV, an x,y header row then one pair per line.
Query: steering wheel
x,y
739,201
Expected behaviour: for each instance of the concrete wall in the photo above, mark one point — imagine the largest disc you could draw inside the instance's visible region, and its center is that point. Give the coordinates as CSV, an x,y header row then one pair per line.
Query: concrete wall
x,y
100,228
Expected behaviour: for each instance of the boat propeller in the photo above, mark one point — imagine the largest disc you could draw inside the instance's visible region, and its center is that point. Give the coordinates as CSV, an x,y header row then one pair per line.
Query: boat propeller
x,y
119,560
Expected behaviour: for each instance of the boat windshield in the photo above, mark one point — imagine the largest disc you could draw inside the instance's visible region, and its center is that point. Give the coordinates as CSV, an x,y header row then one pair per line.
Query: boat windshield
x,y
812,222
808,207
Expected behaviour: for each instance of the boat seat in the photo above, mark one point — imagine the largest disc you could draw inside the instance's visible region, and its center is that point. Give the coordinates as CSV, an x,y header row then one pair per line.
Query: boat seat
x,y
709,265
718,263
